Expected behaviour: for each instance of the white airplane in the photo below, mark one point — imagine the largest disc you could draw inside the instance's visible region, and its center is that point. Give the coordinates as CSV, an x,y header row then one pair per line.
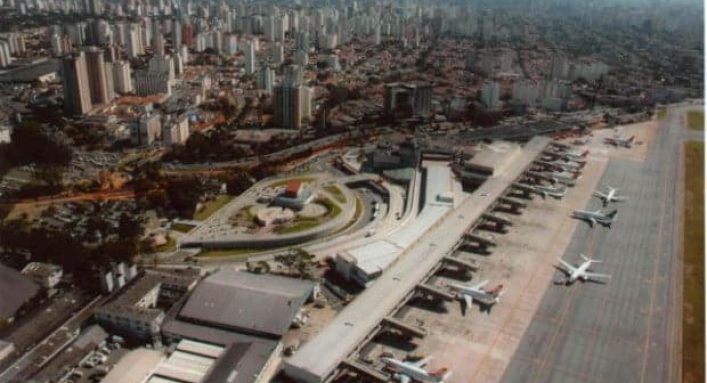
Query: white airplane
x,y
477,293
580,272
565,178
406,372
605,219
552,191
576,156
564,166
620,141
609,196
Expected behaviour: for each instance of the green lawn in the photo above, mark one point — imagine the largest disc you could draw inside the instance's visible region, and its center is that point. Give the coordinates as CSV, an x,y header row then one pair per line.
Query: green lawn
x,y
336,193
238,253
211,207
298,226
182,227
662,113
333,209
693,270
695,120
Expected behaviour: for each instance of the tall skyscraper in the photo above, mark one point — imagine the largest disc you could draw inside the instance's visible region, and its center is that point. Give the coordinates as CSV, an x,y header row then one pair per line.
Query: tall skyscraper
x,y
176,35
277,54
292,99
266,77
249,57
157,39
121,77
187,34
77,95
97,82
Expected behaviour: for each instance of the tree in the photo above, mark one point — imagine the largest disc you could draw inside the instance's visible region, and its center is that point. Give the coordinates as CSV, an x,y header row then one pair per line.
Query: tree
x,y
129,228
299,261
237,183
31,145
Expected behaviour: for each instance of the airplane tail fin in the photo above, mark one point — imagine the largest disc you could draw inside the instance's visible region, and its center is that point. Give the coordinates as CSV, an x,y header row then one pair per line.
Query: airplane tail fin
x,y
630,140
612,214
587,259
442,374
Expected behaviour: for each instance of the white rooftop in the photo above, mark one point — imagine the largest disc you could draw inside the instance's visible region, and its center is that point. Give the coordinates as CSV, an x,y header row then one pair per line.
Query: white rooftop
x,y
378,255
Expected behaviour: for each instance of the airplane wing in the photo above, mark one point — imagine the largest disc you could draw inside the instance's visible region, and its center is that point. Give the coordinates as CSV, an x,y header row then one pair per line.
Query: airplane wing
x,y
597,276
619,199
599,194
424,361
468,300
480,285
567,267
404,378
591,221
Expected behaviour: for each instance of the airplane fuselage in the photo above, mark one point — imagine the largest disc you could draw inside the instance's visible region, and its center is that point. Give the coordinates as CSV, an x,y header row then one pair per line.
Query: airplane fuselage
x,y
594,217
579,272
478,295
415,373
610,195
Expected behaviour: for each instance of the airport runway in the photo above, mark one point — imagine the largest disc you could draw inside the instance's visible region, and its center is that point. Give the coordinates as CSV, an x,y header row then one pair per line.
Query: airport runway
x,y
627,330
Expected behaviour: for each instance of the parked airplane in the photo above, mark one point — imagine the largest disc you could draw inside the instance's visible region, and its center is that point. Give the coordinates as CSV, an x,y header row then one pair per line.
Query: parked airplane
x,y
609,196
570,166
565,178
406,372
620,141
476,293
563,166
575,156
552,191
580,272
605,219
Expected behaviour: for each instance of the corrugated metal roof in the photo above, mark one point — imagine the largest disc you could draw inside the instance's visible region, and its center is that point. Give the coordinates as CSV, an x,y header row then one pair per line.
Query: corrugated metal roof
x,y
241,363
16,290
258,303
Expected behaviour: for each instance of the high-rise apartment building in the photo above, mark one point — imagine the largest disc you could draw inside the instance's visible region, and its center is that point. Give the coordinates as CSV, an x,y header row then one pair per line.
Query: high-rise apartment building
x,y
97,79
77,94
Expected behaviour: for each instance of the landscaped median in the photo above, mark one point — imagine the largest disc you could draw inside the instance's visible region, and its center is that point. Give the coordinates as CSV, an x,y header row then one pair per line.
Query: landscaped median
x,y
693,335
696,120
211,207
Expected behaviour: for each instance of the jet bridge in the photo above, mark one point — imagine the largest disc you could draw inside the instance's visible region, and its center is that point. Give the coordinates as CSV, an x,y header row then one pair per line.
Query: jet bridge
x,y
397,324
368,372
460,263
495,222
432,291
